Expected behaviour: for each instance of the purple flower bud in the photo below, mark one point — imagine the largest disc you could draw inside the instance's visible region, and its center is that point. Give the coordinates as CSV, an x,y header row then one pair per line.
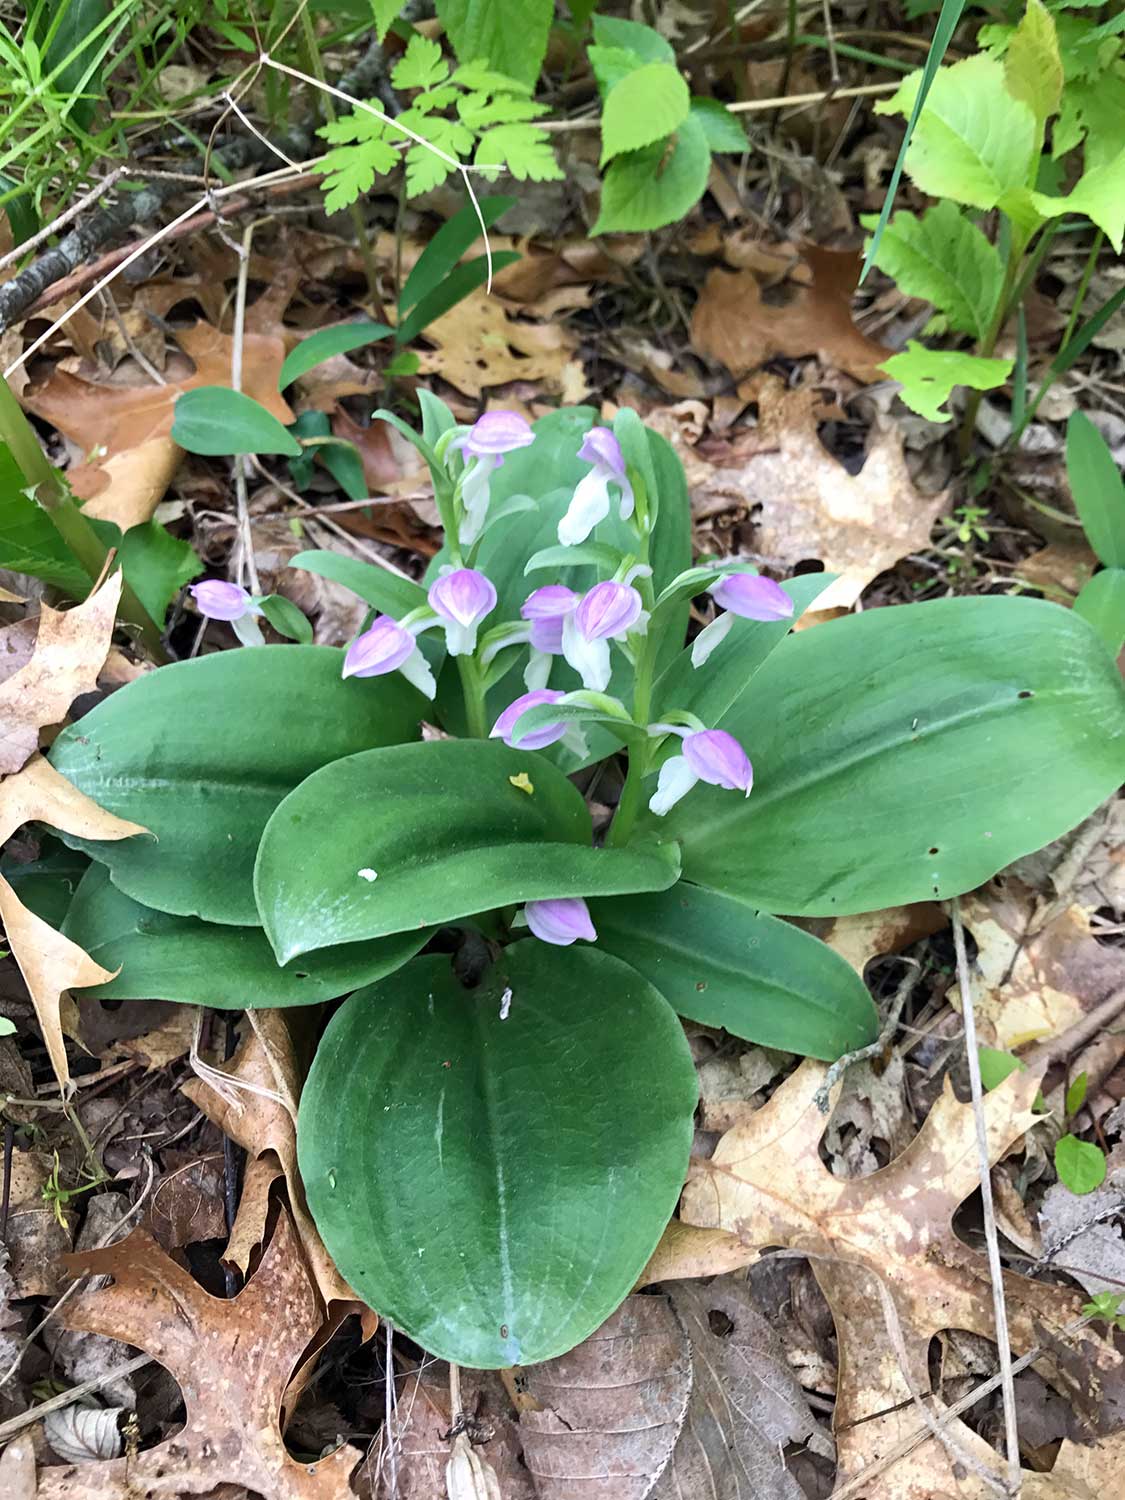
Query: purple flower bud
x,y
382,648
608,611
547,608
221,601
600,447
462,598
539,738
717,757
752,597
560,922
496,432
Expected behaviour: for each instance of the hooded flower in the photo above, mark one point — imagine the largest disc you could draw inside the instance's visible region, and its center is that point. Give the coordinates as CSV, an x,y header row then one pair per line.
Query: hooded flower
x,y
462,598
560,922
710,755
745,594
590,502
484,446
546,609
608,612
229,602
386,646
538,739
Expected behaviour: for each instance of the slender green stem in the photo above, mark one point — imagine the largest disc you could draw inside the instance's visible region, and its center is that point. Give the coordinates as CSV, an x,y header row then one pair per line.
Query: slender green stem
x,y
632,793
473,690
1004,304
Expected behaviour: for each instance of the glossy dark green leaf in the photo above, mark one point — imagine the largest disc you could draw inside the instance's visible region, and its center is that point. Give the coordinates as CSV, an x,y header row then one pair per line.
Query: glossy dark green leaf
x,y
66,25
162,957
495,1187
1098,489
324,343
287,619
720,962
908,753
417,835
217,421
202,752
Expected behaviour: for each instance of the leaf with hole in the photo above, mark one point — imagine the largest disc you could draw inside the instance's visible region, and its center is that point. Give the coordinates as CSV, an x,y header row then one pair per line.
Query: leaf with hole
x,y
495,1187
928,377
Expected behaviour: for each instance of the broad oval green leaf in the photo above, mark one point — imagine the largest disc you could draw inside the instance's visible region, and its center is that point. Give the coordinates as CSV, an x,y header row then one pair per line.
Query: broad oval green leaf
x,y
162,957
416,835
906,754
202,752
495,1187
324,343
645,106
1098,489
656,185
720,962
216,421
1102,602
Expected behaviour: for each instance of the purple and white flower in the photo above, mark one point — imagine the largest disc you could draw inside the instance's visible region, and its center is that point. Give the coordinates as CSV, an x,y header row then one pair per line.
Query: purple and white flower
x,y
462,598
745,594
590,502
386,646
538,739
607,612
229,602
561,922
545,610
484,446
710,755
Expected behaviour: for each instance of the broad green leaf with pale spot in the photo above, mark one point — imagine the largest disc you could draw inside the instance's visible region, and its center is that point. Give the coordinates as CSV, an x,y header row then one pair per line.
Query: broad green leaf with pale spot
x,y
973,142
945,259
495,1187
645,106
1099,194
1033,68
657,185
928,376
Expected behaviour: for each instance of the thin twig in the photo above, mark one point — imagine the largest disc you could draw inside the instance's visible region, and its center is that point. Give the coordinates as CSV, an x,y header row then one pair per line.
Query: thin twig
x,y
62,220
991,1238
886,1032
13,1425
246,564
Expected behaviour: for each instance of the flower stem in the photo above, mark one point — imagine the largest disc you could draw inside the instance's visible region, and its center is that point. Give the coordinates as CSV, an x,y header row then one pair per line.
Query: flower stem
x,y
471,687
632,792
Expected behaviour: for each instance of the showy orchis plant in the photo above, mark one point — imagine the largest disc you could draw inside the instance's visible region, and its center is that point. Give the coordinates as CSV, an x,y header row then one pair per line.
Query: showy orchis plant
x,y
496,1125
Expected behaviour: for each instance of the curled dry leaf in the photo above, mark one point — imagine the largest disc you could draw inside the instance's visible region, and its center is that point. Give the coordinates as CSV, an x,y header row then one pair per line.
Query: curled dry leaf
x,y
895,1273
257,1108
732,323
686,1250
70,649
50,963
872,934
467,1475
611,1409
81,1433
232,1359
479,344
1034,984
745,1404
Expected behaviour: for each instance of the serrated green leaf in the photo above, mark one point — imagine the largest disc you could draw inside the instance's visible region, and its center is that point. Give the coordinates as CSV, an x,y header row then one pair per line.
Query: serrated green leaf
x,y
433,101
422,65
360,125
1080,1164
723,130
1099,194
928,376
1032,66
611,64
511,34
525,151
657,185
646,106
29,542
633,36
973,142
478,110
1093,112
478,75
1102,602
385,12
945,259
350,171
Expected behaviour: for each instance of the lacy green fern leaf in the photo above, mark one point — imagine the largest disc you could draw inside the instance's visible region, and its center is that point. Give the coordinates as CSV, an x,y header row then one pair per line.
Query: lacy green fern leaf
x,y
523,149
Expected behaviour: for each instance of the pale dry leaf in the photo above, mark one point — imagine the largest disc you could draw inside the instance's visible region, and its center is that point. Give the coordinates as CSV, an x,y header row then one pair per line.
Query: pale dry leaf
x,y
70,648
1082,1471
81,1433
261,1116
17,1469
7,597
479,344
611,1409
232,1359
685,1250
873,934
732,324
745,1403
164,1044
895,1273
1033,987
17,645
467,1475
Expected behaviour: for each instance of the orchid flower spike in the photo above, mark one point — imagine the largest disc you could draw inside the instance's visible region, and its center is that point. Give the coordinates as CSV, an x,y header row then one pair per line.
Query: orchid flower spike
x,y
462,598
745,594
560,922
388,647
484,446
546,610
590,502
538,739
608,612
710,755
228,601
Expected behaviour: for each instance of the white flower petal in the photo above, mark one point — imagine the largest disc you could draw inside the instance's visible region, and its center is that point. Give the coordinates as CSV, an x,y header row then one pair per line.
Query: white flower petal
x,y
416,670
709,637
538,670
588,506
676,779
475,497
248,631
460,640
590,659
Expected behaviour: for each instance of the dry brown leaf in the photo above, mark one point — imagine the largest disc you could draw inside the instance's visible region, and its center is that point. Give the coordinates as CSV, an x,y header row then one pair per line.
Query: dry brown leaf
x,y
265,1125
188,1203
872,934
806,505
733,325
479,343
612,1408
7,597
745,1404
124,431
1094,1471
232,1359
1060,569
686,1251
893,1270
1034,987
70,648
